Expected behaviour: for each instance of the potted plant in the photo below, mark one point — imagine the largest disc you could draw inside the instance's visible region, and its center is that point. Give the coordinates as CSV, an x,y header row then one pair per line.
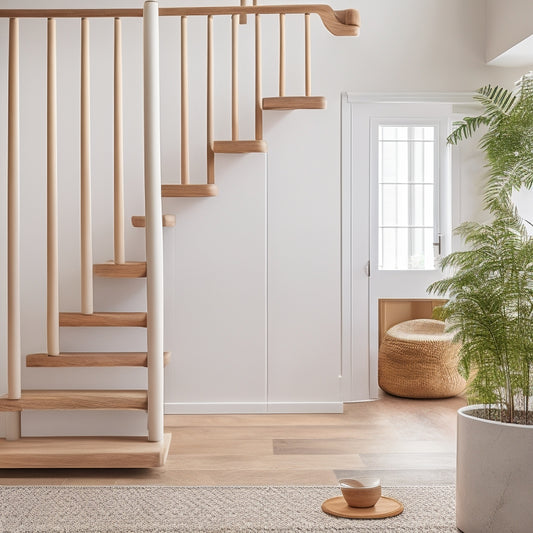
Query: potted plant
x,y
490,311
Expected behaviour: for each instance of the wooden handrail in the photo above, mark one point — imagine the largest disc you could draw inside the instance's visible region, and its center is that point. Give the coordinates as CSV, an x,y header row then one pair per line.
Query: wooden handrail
x,y
344,22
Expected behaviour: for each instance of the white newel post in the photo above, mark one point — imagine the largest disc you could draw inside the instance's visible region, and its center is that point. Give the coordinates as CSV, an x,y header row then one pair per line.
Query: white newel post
x,y
13,234
154,229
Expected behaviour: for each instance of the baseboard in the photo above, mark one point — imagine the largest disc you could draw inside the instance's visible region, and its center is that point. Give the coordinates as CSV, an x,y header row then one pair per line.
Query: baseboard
x,y
235,408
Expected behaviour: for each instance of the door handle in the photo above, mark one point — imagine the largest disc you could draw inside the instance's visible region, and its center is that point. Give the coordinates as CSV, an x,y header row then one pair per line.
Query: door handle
x,y
438,244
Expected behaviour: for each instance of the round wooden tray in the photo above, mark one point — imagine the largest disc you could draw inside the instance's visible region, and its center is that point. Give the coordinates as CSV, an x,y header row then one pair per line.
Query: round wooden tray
x,y
384,508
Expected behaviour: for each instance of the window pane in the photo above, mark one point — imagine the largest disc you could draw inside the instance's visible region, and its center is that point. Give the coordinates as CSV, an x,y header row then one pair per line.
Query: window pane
x,y
429,162
406,197
388,160
428,205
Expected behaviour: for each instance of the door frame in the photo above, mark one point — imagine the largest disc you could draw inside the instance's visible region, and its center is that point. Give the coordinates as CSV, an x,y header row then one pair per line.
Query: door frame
x,y
355,368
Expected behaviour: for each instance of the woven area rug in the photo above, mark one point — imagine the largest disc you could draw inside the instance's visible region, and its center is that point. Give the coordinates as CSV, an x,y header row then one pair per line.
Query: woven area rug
x,y
147,509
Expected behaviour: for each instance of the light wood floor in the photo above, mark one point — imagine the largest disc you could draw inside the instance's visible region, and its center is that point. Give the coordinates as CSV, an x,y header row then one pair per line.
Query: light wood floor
x,y
404,442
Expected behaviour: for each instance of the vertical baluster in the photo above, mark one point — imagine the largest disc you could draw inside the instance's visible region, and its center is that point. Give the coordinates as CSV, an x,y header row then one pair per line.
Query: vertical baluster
x,y
184,105
118,150
258,96
243,17
210,103
282,54
307,54
85,192
154,231
52,262
13,235
235,78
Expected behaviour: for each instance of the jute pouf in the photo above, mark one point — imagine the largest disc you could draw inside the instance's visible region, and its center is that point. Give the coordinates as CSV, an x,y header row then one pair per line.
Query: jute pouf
x,y
417,359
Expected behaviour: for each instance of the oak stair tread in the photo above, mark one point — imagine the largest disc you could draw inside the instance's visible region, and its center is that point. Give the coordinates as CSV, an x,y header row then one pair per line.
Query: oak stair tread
x,y
239,147
189,190
133,320
130,269
289,103
83,452
89,359
169,221
76,399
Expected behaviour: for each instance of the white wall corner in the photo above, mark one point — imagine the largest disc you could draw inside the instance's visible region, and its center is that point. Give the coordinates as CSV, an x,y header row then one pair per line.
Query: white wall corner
x,y
508,28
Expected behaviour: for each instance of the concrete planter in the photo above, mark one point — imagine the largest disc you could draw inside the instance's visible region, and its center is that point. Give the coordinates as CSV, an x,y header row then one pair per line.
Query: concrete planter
x,y
494,475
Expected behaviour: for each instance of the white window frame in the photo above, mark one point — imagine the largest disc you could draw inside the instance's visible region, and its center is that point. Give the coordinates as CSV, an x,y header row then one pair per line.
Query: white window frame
x,y
441,172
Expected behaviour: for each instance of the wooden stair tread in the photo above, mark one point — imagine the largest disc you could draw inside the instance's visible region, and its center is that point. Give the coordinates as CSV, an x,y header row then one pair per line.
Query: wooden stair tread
x,y
133,320
190,190
239,147
169,221
86,359
288,103
76,399
83,452
130,269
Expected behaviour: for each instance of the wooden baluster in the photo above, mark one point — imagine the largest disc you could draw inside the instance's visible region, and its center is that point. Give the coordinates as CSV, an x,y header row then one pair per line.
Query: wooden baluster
x,y
307,54
282,54
13,233
258,91
85,192
235,78
210,103
52,254
155,298
184,105
118,150
243,16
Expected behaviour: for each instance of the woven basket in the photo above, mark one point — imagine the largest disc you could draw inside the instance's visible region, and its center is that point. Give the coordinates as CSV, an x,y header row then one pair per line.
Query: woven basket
x,y
417,359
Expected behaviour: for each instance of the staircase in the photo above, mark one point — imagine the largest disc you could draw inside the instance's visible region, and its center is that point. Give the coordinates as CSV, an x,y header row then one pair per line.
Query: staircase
x,y
130,452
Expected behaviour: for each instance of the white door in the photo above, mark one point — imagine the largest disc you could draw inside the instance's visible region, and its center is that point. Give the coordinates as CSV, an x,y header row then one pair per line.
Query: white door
x,y
397,217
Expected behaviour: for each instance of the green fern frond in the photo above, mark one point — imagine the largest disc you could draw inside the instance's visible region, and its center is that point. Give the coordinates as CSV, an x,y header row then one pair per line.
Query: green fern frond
x,y
465,128
497,101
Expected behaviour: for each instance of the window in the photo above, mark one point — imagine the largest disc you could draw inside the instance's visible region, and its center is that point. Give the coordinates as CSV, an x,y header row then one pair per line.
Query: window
x,y
407,195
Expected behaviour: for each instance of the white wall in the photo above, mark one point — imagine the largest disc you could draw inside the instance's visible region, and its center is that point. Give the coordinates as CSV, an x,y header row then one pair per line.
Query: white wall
x,y
509,22
253,276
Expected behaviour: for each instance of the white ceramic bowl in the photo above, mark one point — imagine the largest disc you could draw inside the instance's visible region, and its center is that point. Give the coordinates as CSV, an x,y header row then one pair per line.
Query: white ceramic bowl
x,y
362,492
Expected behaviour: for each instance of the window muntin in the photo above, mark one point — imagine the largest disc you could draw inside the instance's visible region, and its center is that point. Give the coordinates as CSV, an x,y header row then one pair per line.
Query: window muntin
x,y
407,163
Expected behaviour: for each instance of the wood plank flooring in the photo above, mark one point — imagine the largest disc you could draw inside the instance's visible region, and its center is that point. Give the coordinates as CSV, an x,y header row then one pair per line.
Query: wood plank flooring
x,y
405,442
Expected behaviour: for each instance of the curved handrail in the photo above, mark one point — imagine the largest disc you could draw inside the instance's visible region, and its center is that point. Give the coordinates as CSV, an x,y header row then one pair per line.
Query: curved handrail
x,y
345,22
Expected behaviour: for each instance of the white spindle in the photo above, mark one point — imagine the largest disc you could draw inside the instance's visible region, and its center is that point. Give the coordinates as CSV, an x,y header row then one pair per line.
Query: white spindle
x,y
184,105
154,231
13,235
118,156
85,192
52,262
